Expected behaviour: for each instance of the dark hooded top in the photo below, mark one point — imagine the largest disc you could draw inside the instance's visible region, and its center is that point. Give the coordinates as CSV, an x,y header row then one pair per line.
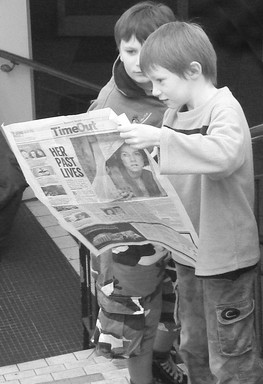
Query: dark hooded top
x,y
123,95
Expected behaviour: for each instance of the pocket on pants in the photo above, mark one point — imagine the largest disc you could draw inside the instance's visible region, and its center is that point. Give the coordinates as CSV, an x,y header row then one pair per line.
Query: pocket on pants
x,y
235,324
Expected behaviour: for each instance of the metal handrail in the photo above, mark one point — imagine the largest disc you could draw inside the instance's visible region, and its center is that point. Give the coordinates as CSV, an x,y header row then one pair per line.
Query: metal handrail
x,y
16,60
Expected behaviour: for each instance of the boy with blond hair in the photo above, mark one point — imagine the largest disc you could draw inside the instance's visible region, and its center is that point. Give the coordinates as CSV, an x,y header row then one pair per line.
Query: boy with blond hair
x,y
205,149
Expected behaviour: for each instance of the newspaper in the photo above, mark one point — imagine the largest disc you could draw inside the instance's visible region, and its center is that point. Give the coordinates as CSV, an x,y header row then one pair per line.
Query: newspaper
x,y
102,191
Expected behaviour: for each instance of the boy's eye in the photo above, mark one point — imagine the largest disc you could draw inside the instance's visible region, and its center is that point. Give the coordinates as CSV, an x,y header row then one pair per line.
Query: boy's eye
x,y
131,51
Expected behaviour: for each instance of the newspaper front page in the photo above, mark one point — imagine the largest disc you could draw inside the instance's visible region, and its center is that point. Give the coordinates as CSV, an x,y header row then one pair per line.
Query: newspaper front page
x,y
101,190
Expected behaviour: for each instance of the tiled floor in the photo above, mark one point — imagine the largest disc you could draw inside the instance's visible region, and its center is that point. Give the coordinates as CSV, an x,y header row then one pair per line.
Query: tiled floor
x,y
80,367
72,368
40,296
59,235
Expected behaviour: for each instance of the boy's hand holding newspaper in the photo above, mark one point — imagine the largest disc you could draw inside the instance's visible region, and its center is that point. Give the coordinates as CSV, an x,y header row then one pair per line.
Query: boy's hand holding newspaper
x,y
140,136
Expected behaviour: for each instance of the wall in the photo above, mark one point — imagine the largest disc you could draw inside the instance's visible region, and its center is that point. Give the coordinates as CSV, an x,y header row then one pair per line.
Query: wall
x,y
16,91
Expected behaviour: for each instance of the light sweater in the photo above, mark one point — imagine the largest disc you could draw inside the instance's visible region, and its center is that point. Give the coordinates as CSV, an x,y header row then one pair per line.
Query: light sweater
x,y
207,154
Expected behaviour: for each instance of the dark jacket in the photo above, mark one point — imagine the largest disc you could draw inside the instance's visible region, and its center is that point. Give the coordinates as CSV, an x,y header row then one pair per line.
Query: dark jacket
x,y
123,95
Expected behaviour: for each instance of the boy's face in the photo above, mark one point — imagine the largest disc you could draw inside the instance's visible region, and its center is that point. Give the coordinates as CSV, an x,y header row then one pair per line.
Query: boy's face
x,y
129,55
172,90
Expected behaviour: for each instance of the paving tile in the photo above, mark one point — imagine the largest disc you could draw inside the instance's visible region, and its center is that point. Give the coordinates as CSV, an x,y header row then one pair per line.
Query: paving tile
x,y
56,231
8,369
50,369
32,365
122,380
115,374
37,379
47,221
64,242
80,364
96,368
75,265
87,379
85,354
62,381
32,203
29,195
68,373
101,359
20,375
61,359
120,363
72,253
13,382
39,210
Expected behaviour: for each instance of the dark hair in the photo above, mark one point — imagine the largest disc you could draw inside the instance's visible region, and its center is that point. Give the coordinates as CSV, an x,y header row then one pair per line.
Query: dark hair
x,y
141,20
141,151
115,159
174,46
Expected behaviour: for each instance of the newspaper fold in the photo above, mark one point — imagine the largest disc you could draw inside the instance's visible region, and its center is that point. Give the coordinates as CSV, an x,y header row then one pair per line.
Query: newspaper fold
x,y
102,191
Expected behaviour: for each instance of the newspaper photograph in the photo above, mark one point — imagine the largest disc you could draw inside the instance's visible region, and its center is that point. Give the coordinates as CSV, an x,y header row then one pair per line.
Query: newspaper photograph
x,y
102,191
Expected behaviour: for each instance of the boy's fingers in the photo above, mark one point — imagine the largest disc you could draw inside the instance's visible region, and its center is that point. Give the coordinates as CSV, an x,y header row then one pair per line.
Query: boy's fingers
x,y
125,128
130,133
128,139
131,141
126,135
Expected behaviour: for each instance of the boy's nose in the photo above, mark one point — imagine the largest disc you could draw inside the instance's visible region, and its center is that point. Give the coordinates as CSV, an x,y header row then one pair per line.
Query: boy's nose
x,y
138,60
155,91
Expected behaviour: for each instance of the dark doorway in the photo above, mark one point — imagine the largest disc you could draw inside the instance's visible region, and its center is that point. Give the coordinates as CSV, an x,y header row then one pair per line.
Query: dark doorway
x,y
76,37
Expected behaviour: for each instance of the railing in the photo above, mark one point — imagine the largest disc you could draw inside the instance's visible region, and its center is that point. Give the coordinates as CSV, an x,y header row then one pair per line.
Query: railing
x,y
16,60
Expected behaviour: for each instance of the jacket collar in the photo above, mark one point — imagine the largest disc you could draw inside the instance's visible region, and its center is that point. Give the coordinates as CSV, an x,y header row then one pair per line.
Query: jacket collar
x,y
123,82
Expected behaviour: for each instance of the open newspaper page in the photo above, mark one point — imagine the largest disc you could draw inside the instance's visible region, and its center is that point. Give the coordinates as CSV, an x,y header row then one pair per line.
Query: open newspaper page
x,y
101,190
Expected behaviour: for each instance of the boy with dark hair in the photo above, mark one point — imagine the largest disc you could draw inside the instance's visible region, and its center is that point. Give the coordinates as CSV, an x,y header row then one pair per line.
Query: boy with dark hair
x,y
128,90
136,272
205,148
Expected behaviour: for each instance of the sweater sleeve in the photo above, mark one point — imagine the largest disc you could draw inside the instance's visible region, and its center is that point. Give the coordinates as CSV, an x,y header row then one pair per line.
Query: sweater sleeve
x,y
218,153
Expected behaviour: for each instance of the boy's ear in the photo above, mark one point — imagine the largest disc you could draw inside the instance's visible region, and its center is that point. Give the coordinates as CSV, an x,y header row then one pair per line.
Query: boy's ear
x,y
195,70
